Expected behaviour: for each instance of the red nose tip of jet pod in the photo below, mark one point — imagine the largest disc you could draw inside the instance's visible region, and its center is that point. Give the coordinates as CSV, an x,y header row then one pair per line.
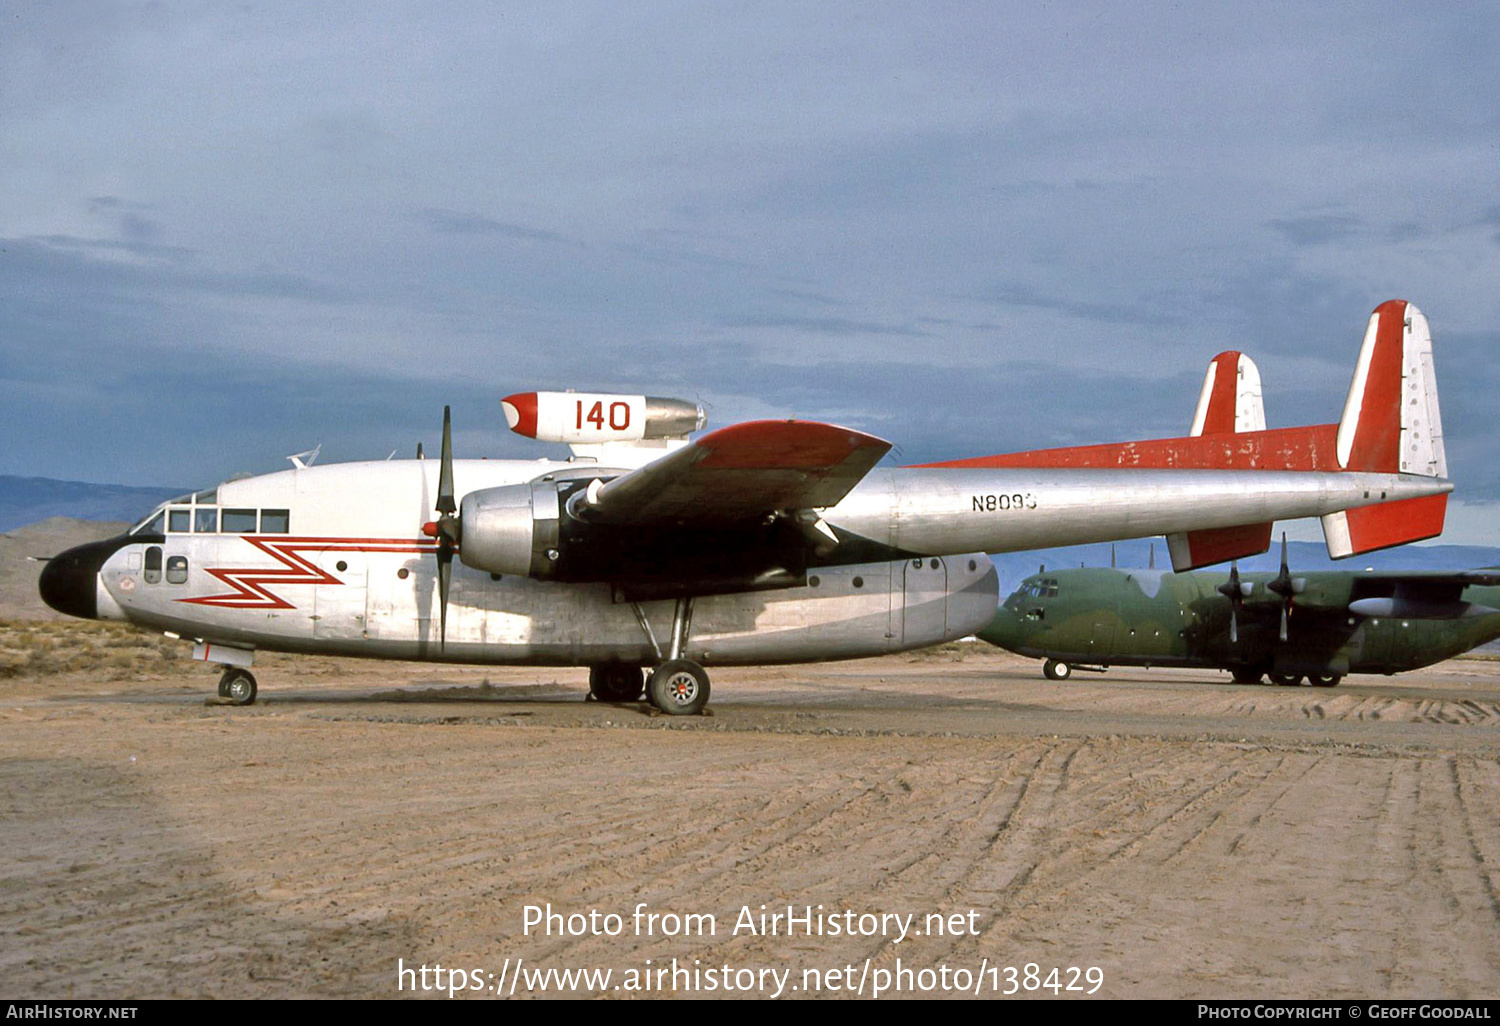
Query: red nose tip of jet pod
x,y
520,413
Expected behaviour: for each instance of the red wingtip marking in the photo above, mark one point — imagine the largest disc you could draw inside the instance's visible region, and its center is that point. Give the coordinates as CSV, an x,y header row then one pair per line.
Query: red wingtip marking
x,y
520,413
782,444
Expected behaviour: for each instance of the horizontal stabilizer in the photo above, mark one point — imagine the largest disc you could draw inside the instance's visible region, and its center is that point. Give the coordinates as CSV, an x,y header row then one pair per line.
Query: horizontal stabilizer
x,y
1192,549
1351,532
1230,402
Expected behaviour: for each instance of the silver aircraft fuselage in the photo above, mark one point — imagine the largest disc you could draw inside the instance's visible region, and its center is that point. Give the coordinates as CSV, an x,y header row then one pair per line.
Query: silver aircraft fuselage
x,y
332,559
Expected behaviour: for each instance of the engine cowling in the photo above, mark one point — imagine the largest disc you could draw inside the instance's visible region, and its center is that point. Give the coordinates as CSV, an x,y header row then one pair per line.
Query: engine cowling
x,y
512,529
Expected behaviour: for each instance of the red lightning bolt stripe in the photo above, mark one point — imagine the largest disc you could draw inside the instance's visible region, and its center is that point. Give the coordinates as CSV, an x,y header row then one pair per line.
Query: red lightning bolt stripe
x,y
249,583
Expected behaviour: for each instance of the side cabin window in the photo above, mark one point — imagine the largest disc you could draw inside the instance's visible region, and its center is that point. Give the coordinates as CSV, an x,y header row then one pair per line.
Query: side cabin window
x,y
177,570
275,521
238,521
152,573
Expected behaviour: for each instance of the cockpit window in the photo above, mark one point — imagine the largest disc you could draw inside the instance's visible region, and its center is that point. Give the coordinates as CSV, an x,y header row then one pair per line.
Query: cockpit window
x,y
1044,587
207,497
152,525
275,521
205,521
179,521
238,521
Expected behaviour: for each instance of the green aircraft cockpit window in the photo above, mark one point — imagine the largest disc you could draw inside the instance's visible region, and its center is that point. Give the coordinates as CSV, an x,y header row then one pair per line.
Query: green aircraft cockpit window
x,y
1044,588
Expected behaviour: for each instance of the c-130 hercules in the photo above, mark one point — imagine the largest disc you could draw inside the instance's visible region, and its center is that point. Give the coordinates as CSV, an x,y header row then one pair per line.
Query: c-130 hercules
x,y
763,542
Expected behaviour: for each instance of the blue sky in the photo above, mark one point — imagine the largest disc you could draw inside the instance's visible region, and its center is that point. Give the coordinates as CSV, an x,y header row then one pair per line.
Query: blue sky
x,y
228,234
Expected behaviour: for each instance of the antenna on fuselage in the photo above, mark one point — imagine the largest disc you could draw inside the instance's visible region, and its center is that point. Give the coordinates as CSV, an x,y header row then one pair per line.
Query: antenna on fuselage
x,y
419,452
303,460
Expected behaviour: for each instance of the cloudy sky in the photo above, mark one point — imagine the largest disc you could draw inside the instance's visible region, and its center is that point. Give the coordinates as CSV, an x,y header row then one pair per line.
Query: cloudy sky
x,y
230,233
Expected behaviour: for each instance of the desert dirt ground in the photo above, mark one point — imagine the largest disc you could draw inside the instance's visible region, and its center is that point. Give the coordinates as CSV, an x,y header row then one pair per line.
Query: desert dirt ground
x,y
1187,836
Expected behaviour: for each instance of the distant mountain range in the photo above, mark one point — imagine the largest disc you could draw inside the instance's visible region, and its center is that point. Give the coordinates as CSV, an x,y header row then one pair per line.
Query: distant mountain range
x,y
27,500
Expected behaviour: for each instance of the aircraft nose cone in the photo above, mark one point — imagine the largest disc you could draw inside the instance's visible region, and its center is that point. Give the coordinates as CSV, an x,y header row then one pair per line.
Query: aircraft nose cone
x,y
70,581
1004,630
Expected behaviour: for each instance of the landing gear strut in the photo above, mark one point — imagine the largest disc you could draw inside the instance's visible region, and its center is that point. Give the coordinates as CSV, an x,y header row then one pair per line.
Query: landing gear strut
x,y
679,686
237,685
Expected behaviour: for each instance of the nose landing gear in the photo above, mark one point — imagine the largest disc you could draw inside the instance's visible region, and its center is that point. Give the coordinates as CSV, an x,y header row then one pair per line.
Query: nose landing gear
x,y
237,685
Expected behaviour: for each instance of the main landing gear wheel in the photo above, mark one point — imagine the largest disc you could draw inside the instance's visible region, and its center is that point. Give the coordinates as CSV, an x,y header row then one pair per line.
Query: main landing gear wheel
x,y
616,682
1287,680
1326,680
1054,669
1243,675
678,687
238,686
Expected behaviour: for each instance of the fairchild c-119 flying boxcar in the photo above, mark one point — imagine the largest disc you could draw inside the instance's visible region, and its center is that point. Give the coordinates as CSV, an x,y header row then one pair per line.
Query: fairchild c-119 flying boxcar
x,y
763,542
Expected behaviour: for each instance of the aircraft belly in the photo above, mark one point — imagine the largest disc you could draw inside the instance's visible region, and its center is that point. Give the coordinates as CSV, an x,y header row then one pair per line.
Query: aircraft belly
x,y
385,605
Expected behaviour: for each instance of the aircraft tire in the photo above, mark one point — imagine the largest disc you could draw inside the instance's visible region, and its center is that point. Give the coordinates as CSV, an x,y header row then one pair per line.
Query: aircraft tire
x,y
1287,680
1245,675
1054,669
1325,680
678,687
616,682
238,686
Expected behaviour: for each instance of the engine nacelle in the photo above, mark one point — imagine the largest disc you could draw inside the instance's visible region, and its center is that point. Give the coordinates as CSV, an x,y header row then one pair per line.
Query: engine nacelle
x,y
511,529
587,418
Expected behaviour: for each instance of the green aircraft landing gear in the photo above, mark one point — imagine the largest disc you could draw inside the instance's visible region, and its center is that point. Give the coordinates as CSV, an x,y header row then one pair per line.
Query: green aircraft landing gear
x,y
1325,680
616,682
237,685
1245,675
1287,680
1056,669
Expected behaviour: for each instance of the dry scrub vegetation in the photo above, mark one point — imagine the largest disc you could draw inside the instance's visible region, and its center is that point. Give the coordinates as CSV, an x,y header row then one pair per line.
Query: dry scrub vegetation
x,y
33,648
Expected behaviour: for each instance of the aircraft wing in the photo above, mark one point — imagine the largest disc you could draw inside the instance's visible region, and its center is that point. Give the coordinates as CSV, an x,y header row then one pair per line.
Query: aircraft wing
x,y
1435,594
737,474
1488,576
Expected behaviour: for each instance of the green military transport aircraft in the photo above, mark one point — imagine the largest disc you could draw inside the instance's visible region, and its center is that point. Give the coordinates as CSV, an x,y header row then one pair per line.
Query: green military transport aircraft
x,y
1314,627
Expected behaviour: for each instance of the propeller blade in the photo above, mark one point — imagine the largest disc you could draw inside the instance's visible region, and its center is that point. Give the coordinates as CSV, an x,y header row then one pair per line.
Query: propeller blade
x,y
445,573
445,503
1234,627
1283,621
